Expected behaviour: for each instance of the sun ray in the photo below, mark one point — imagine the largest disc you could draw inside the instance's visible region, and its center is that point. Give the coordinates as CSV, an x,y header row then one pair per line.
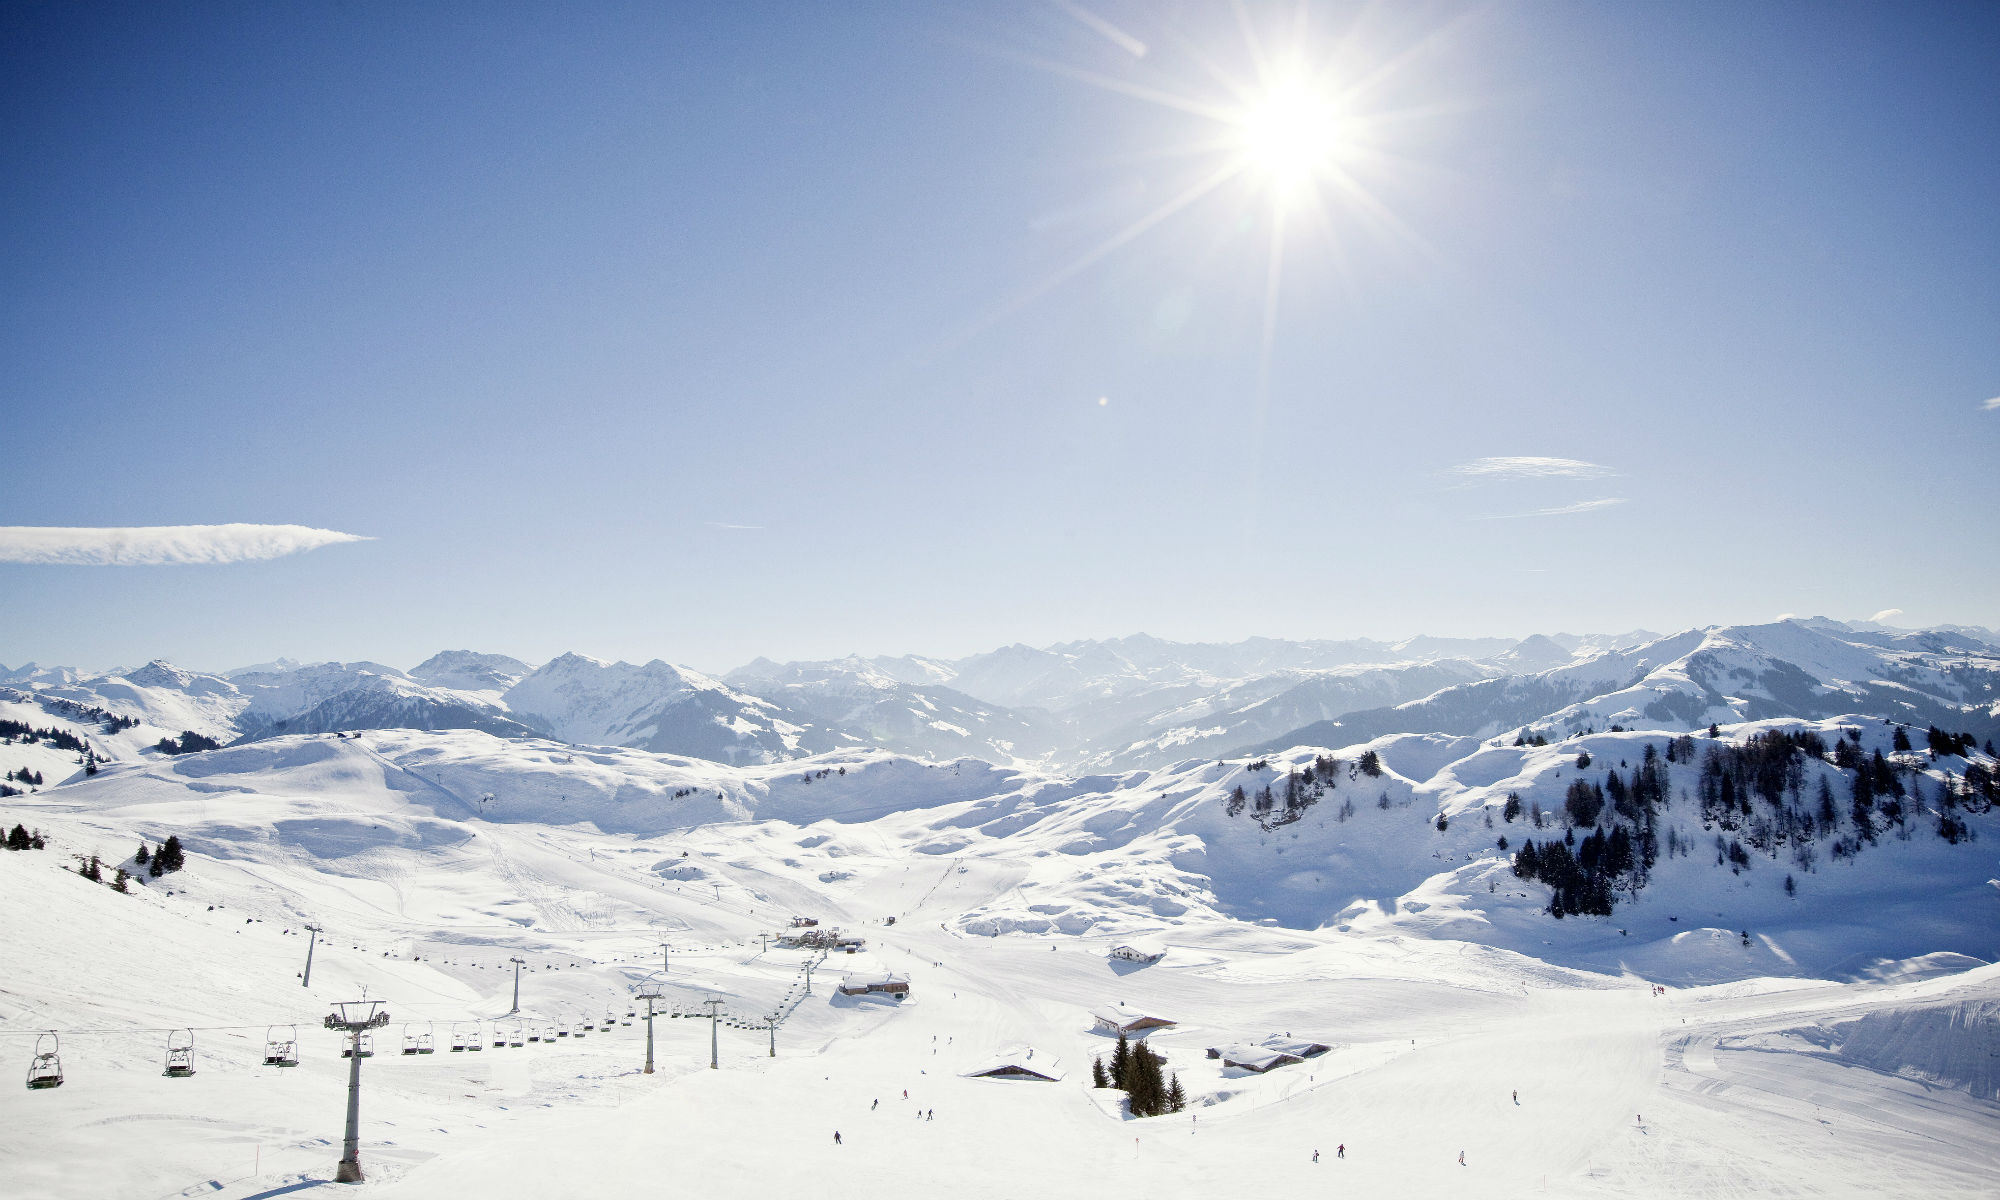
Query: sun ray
x,y
1023,298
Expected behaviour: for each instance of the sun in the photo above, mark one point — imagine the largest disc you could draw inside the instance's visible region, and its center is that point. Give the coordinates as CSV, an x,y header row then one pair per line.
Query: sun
x,y
1292,134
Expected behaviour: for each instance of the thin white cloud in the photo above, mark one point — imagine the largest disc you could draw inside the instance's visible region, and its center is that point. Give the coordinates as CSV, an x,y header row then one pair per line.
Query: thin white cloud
x,y
727,525
1887,614
1560,510
1992,405
1493,470
161,545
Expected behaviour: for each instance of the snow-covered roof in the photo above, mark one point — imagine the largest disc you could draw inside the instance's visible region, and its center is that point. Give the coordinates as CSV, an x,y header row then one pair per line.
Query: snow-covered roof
x,y
878,980
1121,1016
1018,1061
1295,1047
1255,1058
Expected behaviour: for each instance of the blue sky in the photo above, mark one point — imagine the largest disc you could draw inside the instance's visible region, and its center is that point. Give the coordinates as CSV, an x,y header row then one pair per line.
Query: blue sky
x,y
710,331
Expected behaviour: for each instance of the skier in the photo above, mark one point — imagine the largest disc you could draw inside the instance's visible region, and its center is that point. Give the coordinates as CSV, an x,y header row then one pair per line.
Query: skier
x,y
1340,1151
1461,1158
836,1137
930,1114
1315,1156
874,1104
1517,1097
906,1093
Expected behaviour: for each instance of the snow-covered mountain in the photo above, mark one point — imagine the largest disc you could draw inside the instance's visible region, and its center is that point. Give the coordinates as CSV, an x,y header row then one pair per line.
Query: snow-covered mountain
x,y
1799,933
667,709
1700,677
1127,703
866,703
466,671
330,697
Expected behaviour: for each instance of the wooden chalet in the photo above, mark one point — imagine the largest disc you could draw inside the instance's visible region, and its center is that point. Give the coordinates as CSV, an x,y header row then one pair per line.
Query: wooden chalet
x,y
1118,1018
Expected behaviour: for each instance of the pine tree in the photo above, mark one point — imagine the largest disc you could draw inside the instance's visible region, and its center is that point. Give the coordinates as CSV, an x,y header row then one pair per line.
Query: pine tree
x,y
170,857
1097,1076
17,838
1121,1065
1176,1095
144,855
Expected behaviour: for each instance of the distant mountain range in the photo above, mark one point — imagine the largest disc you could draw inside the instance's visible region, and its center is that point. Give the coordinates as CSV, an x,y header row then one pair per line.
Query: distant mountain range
x,y
1133,703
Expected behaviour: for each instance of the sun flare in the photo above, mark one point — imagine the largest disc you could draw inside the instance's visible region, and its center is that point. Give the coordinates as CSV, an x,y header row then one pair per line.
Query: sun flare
x,y
1291,134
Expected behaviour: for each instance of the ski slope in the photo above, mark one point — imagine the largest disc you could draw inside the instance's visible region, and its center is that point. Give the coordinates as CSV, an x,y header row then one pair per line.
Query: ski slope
x,y
584,862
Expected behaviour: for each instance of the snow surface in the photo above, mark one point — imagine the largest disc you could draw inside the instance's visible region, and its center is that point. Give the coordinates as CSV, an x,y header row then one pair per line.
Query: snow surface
x,y
1848,1051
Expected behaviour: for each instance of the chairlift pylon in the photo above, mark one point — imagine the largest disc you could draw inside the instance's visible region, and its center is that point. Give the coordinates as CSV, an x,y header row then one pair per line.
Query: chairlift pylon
x,y
45,1069
180,1054
281,1046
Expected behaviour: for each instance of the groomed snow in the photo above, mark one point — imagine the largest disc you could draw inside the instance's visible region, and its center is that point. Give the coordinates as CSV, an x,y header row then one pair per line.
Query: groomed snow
x,y
584,862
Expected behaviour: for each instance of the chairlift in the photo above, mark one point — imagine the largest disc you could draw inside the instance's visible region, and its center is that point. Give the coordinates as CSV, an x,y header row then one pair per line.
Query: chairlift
x,y
180,1054
418,1043
367,1041
463,1039
514,1039
281,1046
45,1069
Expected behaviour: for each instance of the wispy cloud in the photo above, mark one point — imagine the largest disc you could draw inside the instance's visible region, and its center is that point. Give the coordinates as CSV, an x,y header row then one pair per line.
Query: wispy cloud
x,y
727,525
161,545
1992,405
1493,470
1560,510
1887,614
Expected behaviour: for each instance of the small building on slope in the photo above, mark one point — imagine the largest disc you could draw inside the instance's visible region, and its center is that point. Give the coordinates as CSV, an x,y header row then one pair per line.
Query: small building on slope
x,y
890,984
1138,952
1019,1062
1271,1053
1119,1018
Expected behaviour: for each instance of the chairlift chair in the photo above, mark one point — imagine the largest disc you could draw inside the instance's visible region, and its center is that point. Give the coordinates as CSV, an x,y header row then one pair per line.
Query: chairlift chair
x,y
515,1040
418,1043
281,1046
45,1069
367,1046
180,1054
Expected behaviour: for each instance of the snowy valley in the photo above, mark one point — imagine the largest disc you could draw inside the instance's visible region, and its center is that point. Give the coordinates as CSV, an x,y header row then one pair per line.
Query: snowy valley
x,y
1749,951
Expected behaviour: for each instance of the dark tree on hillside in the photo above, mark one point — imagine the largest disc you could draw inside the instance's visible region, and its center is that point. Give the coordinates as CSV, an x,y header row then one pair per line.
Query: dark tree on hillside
x,y
1371,764
17,838
1121,1065
1512,810
1901,741
1097,1076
